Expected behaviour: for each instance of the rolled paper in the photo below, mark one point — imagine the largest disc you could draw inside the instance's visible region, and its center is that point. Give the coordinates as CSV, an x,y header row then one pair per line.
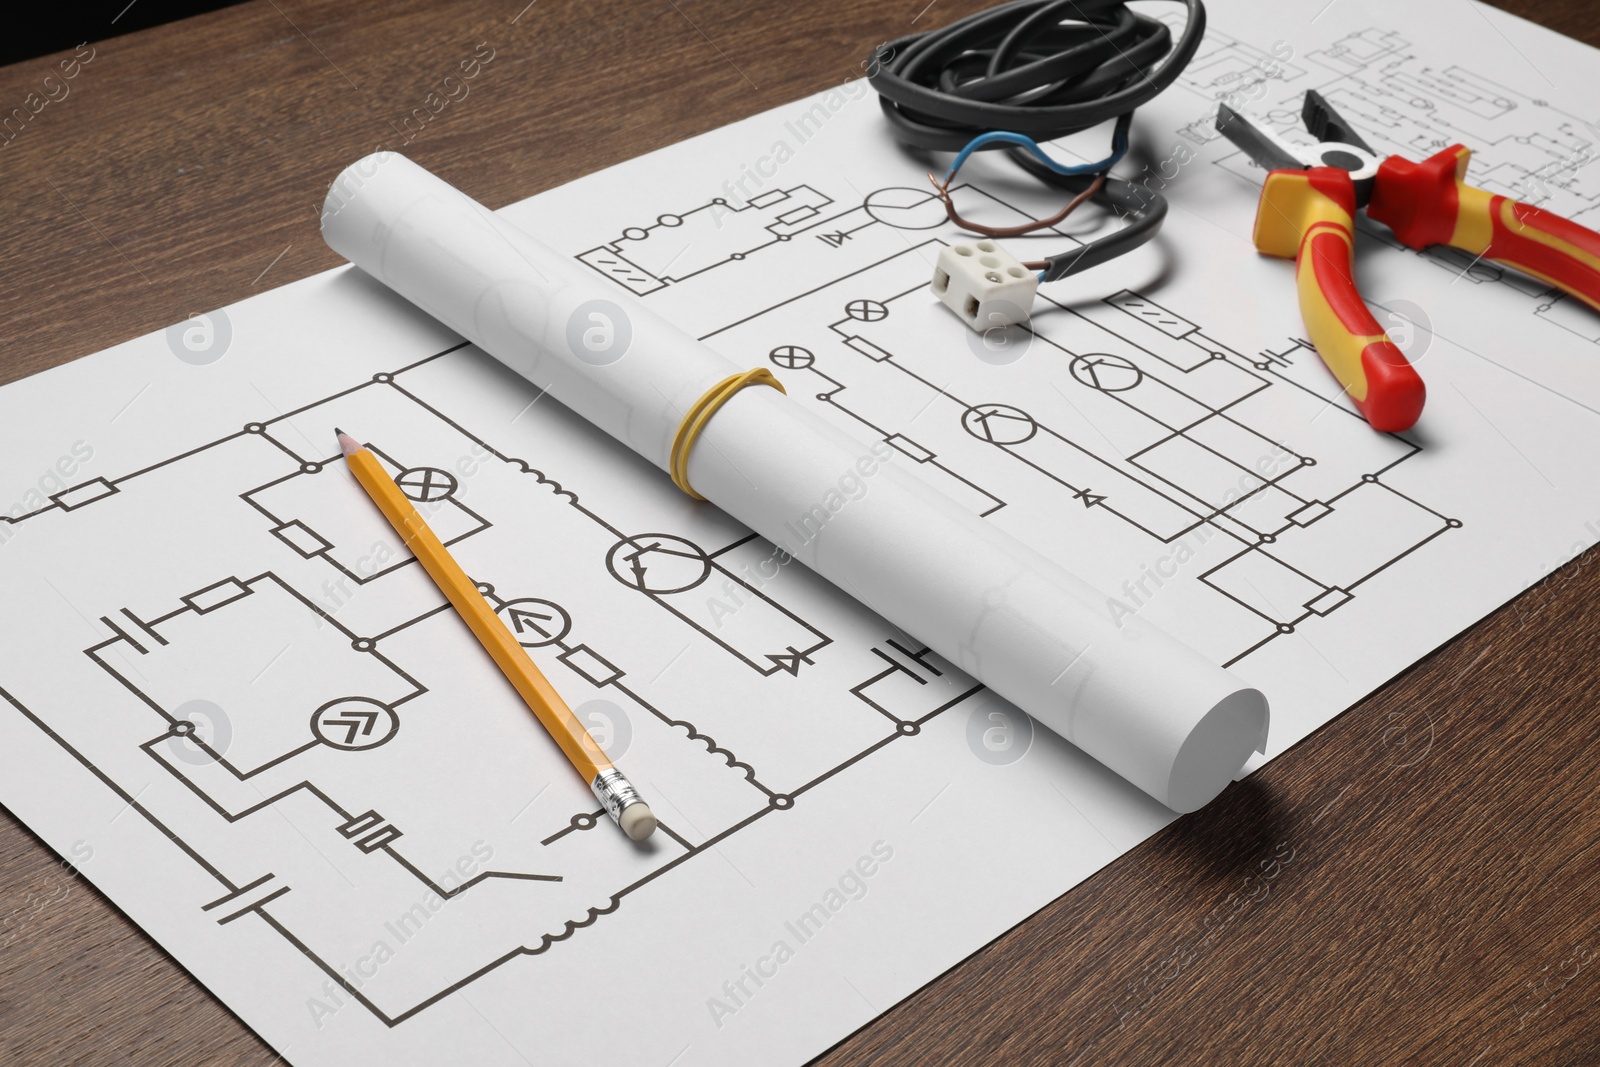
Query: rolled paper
x,y
1127,693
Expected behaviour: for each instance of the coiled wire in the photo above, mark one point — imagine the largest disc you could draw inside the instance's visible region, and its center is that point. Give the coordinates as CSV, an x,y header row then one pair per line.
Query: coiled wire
x,y
1031,70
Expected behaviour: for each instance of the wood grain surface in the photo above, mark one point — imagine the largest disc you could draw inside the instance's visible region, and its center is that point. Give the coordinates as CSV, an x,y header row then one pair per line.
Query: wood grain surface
x,y
1413,884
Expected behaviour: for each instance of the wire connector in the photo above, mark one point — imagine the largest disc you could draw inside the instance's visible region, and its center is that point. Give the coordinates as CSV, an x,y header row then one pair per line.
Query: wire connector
x,y
986,286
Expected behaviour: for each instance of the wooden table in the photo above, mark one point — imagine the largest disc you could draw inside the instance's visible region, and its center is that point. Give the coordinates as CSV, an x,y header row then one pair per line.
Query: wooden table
x,y
1411,884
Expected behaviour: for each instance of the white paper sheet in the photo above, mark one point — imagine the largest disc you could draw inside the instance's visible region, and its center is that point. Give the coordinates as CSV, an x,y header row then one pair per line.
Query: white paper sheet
x,y
196,563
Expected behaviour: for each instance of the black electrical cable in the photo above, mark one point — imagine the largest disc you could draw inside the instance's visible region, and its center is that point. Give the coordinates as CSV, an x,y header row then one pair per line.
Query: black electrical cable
x,y
1044,69
1141,209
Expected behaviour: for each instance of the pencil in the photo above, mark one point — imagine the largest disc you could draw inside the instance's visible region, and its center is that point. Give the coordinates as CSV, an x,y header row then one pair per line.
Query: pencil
x,y
616,794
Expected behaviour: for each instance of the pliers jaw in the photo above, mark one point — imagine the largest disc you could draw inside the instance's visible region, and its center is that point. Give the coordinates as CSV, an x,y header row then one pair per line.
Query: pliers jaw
x,y
1338,144
1326,124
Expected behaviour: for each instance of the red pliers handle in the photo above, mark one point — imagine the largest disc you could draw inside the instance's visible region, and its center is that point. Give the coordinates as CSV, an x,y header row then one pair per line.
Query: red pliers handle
x,y
1429,203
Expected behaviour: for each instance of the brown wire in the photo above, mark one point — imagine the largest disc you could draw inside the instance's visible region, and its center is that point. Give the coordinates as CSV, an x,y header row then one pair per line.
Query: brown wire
x,y
943,192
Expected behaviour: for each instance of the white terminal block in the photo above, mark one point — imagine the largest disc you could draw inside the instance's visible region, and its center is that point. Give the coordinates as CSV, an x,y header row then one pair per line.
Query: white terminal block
x,y
984,284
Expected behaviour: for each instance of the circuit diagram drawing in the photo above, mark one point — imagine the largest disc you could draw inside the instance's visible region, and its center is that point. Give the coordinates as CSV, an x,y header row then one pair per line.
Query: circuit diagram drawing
x,y
1116,418
266,690
1524,147
675,249
268,711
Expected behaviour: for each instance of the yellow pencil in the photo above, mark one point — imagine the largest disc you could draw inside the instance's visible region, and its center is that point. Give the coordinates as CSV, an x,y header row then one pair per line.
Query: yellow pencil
x,y
616,794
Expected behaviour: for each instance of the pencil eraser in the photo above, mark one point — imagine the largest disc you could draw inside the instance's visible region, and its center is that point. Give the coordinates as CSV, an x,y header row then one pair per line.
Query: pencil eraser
x,y
637,821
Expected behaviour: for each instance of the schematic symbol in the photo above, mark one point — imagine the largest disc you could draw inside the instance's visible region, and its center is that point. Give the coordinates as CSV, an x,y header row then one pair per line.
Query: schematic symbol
x,y
354,723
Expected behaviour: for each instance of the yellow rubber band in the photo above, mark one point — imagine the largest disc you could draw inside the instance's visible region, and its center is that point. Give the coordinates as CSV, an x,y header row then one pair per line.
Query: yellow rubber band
x,y
695,419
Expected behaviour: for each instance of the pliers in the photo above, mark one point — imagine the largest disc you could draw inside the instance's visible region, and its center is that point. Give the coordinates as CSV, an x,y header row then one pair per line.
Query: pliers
x,y
1307,213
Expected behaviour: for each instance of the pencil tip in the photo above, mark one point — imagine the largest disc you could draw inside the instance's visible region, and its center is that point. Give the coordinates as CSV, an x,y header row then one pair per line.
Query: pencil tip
x,y
347,444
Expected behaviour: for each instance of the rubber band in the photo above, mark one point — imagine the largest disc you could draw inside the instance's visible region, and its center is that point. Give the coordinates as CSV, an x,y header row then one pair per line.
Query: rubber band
x,y
700,412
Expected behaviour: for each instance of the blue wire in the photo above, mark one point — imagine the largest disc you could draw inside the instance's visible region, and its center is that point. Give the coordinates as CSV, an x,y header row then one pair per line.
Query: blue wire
x,y
1119,148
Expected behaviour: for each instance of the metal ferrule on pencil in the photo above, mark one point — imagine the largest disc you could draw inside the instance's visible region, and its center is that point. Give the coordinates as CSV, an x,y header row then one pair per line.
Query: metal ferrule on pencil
x,y
615,792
